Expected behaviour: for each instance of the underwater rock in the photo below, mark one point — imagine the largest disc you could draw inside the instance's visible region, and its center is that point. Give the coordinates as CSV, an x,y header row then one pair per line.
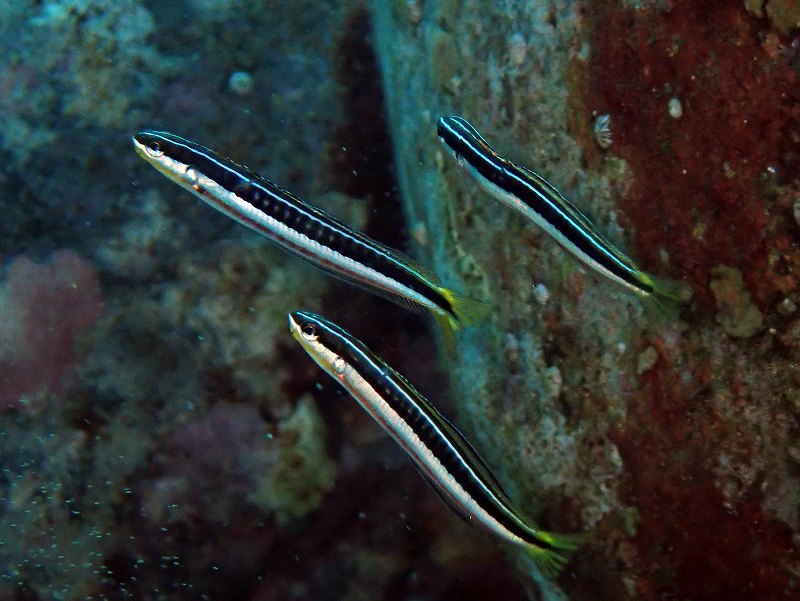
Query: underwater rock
x,y
302,473
784,14
444,59
229,456
85,60
695,187
737,314
647,359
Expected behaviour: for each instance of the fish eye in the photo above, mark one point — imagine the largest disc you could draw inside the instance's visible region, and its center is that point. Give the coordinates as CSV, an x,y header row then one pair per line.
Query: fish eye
x,y
309,331
154,149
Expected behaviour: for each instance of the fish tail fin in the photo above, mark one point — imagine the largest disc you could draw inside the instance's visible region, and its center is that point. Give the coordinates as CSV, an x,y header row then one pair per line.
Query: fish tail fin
x,y
664,303
552,558
677,291
464,311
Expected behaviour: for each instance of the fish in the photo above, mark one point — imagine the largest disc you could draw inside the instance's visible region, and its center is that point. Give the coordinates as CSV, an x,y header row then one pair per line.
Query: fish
x,y
438,450
304,230
532,195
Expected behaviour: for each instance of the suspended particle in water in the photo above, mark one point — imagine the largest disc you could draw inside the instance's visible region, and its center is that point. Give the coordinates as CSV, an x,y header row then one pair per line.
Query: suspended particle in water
x,y
240,83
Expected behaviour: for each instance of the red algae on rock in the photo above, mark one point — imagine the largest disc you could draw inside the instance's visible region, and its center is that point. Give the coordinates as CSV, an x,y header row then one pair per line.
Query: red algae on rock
x,y
703,180
705,101
45,308
690,542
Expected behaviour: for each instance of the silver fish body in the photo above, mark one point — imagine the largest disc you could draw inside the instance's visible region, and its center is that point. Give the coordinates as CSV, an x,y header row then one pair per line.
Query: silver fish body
x,y
440,452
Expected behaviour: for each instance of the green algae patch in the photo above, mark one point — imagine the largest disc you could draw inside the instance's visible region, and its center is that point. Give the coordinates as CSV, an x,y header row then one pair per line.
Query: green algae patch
x,y
784,14
647,359
737,315
444,59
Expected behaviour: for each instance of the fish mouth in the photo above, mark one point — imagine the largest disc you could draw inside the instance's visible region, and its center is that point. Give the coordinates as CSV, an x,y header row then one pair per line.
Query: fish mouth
x,y
159,165
139,148
294,328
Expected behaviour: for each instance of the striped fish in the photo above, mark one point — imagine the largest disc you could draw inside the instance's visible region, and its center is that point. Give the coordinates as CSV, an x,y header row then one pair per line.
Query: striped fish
x,y
439,451
533,196
304,230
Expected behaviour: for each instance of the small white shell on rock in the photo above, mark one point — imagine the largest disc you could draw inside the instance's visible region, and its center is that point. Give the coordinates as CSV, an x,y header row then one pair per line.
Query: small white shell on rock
x,y
553,381
602,131
541,293
517,49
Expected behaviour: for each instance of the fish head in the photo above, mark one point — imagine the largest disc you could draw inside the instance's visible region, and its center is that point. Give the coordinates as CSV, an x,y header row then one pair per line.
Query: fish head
x,y
172,155
321,339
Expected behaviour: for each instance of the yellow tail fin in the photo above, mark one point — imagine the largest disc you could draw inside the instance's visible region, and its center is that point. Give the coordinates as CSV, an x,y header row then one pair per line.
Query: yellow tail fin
x,y
664,304
551,561
677,291
467,311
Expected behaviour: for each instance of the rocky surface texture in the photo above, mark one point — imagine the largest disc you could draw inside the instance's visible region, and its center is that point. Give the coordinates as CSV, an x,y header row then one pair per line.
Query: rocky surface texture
x,y
674,127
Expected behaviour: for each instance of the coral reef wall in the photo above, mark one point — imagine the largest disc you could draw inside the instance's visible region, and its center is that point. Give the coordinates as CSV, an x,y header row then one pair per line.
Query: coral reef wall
x,y
674,127
161,435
